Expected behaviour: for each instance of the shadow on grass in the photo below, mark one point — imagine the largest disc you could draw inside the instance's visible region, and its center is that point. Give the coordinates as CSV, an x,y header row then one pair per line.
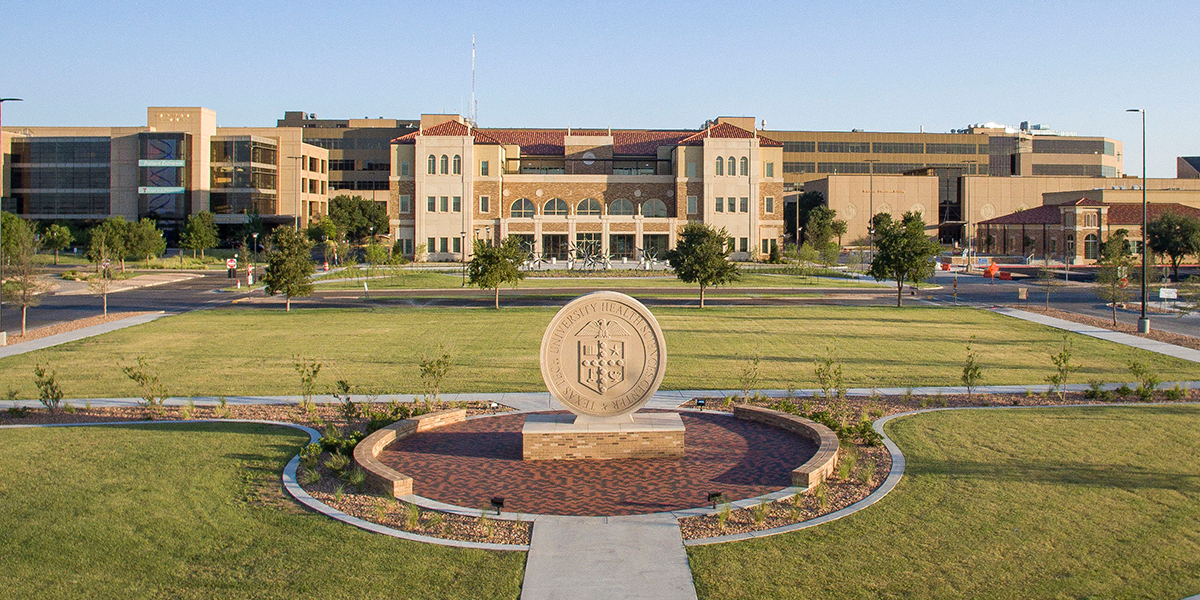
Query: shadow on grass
x,y
1059,473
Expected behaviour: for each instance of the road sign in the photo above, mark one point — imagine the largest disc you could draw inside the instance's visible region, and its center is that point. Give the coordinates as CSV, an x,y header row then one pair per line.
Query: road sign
x,y
1168,294
1022,293
231,263
105,264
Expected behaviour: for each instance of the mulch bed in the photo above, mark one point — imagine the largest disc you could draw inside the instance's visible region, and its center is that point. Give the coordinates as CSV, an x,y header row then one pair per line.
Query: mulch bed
x,y
1186,341
41,332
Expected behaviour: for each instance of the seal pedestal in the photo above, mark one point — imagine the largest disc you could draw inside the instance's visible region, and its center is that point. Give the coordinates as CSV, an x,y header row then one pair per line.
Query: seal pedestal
x,y
565,437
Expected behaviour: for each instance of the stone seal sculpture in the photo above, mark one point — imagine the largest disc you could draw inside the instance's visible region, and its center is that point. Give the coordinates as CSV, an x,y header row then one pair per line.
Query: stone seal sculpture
x,y
603,357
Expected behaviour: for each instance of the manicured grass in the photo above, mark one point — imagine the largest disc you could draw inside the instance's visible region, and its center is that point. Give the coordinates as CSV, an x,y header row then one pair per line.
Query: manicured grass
x,y
197,511
236,352
1044,503
391,279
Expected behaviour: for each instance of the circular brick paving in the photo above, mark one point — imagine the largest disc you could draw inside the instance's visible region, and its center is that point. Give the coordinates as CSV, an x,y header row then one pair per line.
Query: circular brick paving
x,y
468,463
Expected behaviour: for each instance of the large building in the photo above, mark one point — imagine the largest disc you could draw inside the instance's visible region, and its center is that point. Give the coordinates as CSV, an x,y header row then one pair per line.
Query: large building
x,y
178,164
624,192
359,150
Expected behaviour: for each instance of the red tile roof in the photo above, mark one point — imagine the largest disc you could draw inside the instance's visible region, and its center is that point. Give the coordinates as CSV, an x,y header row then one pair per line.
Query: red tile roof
x,y
449,128
1118,213
550,142
1041,215
1131,214
725,130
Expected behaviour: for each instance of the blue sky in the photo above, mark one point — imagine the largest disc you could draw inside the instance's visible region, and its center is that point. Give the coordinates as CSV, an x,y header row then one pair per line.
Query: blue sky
x,y
879,66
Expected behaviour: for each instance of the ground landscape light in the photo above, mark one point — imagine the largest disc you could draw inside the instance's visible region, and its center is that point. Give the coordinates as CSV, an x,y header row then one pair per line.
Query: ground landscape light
x,y
498,503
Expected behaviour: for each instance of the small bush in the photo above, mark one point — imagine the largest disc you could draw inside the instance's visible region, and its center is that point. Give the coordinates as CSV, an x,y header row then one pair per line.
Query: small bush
x,y
866,472
1096,391
336,462
723,515
356,477
310,477
49,393
412,516
822,496
1174,394
339,493
310,455
434,522
1147,380
1124,391
759,513
847,462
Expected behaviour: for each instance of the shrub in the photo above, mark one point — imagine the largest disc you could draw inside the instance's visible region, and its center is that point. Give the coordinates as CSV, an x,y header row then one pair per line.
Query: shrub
x,y
723,515
433,370
434,522
972,373
866,472
153,392
759,512
748,378
1174,394
1062,368
1147,380
337,462
334,442
1124,391
310,455
310,477
822,496
308,372
356,477
350,410
49,393
829,376
1096,391
846,464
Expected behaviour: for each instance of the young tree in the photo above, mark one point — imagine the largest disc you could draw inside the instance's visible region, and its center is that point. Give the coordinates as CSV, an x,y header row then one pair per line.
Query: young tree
x,y
146,239
15,234
1175,236
200,233
839,229
101,284
1112,278
972,373
702,257
57,238
289,265
24,283
324,233
113,235
357,217
374,255
494,266
902,251
1048,279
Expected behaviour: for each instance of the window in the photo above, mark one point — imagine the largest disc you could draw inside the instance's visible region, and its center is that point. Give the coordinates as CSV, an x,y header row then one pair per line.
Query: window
x,y
431,245
691,169
1090,219
587,242
432,170
720,170
732,204
456,205
457,165
588,206
956,148
766,246
745,205
770,169
1091,247
458,244
555,207
693,205
483,168
445,165
620,206
323,165
860,147
720,205
745,166
341,164
745,244
732,167
431,206
654,208
799,167
485,204
770,204
405,204
404,170
406,246
1070,245
444,203
899,148
444,246
799,146
522,209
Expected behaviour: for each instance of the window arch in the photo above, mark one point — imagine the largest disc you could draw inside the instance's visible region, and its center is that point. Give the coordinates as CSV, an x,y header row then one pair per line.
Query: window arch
x,y
445,165
1091,247
457,165
720,170
1090,219
432,165
620,206
732,167
745,166
522,209
556,207
588,206
654,208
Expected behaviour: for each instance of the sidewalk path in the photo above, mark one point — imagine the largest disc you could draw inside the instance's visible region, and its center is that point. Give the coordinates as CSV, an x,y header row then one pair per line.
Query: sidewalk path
x,y
78,334
601,558
133,283
1104,334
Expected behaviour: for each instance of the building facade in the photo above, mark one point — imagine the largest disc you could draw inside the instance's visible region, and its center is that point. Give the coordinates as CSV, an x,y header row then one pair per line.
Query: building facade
x,y
179,164
359,150
626,193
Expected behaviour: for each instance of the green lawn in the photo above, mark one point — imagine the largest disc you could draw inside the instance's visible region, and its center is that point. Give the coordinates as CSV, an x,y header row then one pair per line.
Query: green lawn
x,y
197,511
1046,503
234,352
391,279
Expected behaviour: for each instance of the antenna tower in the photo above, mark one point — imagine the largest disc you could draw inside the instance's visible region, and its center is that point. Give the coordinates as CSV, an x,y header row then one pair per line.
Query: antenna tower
x,y
474,108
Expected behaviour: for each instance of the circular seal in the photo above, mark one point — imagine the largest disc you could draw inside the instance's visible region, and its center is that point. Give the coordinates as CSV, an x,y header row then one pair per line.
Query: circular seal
x,y
603,355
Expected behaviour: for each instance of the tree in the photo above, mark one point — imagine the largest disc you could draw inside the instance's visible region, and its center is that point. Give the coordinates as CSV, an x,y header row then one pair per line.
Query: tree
x,y
1112,278
101,284
324,233
24,284
57,238
702,257
113,236
146,239
289,265
972,373
1048,279
358,218
902,251
374,255
200,233
493,266
804,203
839,229
1175,236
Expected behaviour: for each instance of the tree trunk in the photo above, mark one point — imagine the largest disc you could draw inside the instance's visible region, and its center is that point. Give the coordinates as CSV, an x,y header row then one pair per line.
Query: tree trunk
x,y
497,297
56,257
287,304
701,296
24,309
1114,306
105,296
899,292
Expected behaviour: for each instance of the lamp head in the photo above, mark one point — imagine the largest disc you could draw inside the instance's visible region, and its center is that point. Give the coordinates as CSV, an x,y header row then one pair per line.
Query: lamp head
x,y
1133,110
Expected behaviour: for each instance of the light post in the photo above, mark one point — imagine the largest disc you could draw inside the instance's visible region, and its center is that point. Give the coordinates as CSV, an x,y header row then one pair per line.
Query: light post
x,y
1144,321
253,262
3,334
462,257
968,233
299,192
871,218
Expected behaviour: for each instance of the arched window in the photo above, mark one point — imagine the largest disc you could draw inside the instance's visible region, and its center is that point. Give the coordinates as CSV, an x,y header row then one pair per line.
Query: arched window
x,y
654,208
1090,219
720,170
432,165
732,167
1091,247
445,165
522,209
457,165
621,206
556,207
588,206
745,166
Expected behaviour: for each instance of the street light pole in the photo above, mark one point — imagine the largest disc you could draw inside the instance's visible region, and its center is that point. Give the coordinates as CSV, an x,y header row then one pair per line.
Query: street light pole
x,y
299,192
871,218
1144,321
3,334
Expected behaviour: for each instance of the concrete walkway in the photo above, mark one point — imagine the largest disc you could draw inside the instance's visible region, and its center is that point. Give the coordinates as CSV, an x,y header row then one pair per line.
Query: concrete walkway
x,y
601,558
78,334
79,288
1105,334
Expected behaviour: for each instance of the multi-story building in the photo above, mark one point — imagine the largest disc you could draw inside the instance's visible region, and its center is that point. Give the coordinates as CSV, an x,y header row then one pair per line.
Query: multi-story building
x,y
179,164
624,192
